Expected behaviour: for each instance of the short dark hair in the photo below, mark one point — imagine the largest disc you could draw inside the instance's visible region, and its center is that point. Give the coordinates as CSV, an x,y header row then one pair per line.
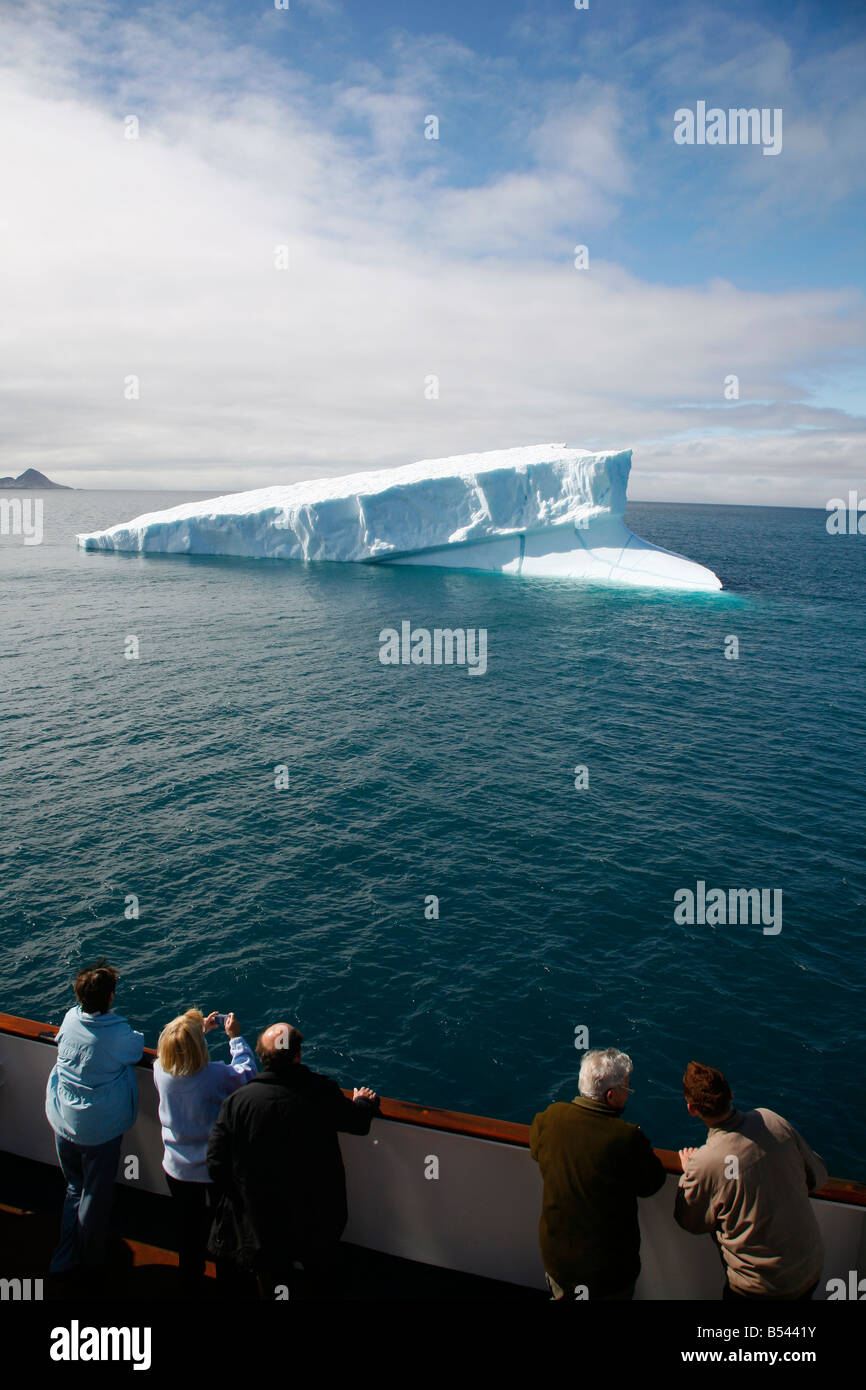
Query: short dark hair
x,y
283,1052
94,986
707,1090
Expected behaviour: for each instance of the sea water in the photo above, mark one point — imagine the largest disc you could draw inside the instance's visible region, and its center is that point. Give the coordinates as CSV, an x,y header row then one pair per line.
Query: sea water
x,y
447,878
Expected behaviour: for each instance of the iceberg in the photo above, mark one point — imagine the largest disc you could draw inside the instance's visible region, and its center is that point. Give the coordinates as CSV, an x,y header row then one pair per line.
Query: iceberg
x,y
542,510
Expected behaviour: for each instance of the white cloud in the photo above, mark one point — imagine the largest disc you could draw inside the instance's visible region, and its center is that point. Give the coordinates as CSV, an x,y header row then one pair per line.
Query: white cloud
x,y
156,258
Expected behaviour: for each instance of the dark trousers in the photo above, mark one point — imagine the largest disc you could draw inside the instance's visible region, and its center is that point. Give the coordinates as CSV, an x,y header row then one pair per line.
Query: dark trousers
x,y
729,1294
622,1293
322,1277
89,1171
193,1214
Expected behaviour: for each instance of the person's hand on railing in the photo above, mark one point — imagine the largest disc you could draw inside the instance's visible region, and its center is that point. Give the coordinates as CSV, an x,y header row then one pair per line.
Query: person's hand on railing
x,y
364,1093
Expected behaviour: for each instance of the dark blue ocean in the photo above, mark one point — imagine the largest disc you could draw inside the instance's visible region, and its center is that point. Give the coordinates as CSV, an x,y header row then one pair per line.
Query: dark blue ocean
x,y
154,777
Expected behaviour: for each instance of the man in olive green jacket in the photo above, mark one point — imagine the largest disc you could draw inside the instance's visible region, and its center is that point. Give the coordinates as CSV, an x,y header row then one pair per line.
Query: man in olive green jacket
x,y
595,1165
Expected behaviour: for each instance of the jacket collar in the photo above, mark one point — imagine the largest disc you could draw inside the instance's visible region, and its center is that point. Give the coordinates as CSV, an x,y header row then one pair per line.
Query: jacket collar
x,y
293,1074
109,1017
597,1107
734,1121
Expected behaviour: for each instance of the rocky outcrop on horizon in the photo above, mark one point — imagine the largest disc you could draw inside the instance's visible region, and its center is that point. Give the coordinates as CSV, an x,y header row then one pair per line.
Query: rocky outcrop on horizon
x,y
30,478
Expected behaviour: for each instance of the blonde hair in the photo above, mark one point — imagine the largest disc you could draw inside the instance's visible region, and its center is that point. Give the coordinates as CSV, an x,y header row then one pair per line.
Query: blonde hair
x,y
181,1049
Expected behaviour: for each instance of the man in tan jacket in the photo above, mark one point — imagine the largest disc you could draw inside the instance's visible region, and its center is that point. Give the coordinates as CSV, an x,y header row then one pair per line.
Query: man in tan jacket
x,y
749,1185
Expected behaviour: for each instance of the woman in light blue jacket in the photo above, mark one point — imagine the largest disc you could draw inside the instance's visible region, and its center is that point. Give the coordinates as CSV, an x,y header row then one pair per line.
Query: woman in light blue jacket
x,y
90,1100
191,1090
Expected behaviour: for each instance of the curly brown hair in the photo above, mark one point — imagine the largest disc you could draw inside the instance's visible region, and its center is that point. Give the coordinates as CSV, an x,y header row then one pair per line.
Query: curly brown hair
x,y
94,986
707,1090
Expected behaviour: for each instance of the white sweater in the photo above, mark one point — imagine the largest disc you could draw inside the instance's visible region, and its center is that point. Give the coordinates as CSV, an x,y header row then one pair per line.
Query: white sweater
x,y
189,1105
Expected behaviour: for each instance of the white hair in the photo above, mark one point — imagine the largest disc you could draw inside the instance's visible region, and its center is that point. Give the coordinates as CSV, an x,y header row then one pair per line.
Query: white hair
x,y
602,1069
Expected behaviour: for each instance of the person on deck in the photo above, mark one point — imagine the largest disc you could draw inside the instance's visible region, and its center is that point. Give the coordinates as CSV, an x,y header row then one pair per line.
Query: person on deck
x,y
191,1090
594,1165
91,1099
749,1186
274,1159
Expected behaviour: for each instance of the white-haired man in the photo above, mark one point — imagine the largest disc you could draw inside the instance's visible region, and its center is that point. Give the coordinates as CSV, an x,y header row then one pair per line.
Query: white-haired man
x,y
595,1166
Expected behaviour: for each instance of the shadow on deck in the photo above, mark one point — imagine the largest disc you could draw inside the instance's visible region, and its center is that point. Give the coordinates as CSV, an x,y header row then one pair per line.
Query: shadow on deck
x,y
143,1265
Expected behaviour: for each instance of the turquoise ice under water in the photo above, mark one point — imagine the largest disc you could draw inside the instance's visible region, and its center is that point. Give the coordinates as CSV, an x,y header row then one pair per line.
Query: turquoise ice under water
x,y
155,777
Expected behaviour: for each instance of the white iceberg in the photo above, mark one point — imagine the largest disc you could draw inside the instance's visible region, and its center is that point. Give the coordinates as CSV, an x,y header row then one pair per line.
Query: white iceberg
x,y
542,510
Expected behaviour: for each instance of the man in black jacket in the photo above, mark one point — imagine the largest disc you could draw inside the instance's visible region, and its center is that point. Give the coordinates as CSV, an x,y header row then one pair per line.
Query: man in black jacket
x,y
274,1158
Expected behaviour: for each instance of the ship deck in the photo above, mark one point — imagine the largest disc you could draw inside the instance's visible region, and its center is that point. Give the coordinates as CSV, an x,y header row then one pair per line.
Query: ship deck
x,y
470,1235
143,1261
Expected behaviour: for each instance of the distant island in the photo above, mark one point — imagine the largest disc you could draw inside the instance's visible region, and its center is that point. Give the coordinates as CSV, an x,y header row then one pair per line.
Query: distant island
x,y
31,477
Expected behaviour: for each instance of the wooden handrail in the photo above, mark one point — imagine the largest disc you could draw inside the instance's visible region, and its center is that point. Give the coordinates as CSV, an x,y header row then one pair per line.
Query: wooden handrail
x,y
843,1190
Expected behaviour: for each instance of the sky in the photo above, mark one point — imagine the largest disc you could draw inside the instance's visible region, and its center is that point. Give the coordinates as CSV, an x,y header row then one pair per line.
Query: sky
x,y
231,255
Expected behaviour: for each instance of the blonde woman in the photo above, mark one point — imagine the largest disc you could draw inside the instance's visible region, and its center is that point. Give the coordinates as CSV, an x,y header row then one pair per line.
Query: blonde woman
x,y
191,1090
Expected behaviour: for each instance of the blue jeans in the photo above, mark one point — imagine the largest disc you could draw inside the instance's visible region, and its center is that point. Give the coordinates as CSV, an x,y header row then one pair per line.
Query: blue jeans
x,y
89,1174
